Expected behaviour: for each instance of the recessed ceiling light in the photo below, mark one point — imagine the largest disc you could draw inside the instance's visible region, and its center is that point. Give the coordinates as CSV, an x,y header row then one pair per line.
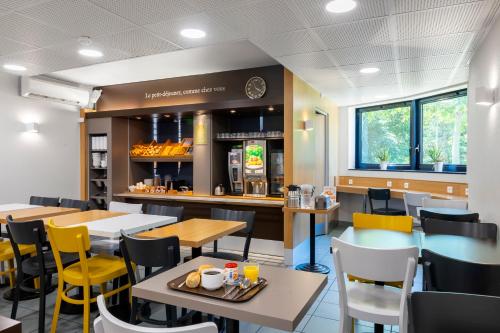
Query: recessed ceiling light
x,y
193,33
369,70
138,118
14,67
167,116
271,108
91,53
233,111
340,6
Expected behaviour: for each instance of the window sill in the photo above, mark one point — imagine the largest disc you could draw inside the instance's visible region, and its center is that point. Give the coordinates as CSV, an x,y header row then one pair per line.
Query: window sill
x,y
413,171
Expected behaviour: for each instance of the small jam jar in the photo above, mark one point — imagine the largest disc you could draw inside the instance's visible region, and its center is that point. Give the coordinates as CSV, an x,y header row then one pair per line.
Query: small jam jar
x,y
231,272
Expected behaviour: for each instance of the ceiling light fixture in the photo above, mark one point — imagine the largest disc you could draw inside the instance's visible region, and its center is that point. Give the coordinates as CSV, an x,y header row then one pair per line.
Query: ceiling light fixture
x,y
233,111
193,33
340,6
167,116
14,67
369,70
91,53
485,96
271,108
32,127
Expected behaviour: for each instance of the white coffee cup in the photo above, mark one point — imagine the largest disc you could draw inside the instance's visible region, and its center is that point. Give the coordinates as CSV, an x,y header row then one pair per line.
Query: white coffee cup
x,y
212,278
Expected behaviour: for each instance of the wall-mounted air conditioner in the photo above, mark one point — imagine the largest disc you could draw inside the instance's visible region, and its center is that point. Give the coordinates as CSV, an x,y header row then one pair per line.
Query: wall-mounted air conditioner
x,y
35,87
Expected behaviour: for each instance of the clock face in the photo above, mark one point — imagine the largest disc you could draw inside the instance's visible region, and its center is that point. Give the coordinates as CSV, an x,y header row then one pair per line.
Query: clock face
x,y
255,87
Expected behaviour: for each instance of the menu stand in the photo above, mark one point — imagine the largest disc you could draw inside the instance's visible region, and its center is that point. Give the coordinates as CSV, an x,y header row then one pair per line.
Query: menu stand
x,y
312,266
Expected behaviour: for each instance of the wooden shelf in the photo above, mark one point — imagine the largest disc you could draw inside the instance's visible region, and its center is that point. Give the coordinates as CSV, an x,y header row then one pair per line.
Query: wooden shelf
x,y
245,139
182,158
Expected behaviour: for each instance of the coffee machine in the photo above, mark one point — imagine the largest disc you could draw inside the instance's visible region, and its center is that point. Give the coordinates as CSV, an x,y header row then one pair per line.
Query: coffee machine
x,y
235,169
277,178
254,168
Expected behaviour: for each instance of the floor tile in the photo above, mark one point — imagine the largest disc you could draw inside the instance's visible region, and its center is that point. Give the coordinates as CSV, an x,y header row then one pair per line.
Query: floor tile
x,y
327,310
331,297
321,325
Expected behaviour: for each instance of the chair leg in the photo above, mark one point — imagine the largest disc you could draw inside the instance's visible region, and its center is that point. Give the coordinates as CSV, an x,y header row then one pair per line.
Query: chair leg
x,y
41,310
86,309
57,307
12,275
346,324
16,292
133,311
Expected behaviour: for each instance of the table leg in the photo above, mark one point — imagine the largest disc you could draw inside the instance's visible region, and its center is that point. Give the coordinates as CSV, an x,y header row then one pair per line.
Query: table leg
x,y
364,203
379,328
195,252
312,266
232,326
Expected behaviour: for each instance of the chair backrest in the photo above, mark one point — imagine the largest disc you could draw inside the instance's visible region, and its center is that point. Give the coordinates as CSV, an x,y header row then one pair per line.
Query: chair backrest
x,y
439,312
237,215
150,253
71,203
385,265
486,231
413,200
107,323
439,203
447,274
425,214
44,201
372,221
381,194
123,207
166,211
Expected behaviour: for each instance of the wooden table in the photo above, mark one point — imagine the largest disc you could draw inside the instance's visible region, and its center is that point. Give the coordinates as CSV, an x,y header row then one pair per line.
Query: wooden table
x,y
81,217
196,232
14,206
312,266
281,305
29,214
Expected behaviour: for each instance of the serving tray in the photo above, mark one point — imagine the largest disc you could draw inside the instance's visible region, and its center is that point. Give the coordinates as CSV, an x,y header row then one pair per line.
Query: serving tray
x,y
178,284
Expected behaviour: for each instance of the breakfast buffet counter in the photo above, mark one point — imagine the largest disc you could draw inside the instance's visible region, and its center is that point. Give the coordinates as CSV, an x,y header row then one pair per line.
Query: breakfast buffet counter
x,y
223,199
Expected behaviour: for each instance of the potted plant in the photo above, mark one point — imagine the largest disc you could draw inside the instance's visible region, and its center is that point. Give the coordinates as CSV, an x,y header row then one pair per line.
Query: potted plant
x,y
383,158
437,157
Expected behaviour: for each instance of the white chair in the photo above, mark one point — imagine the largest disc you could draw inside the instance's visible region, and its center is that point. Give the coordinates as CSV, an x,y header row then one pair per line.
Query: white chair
x,y
438,203
107,323
413,202
369,302
123,207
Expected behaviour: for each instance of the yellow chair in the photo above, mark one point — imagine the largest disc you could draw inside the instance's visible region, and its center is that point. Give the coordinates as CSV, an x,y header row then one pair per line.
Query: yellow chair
x,y
88,272
7,255
386,222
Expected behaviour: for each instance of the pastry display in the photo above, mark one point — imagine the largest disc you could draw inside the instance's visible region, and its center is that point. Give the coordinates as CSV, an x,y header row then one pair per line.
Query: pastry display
x,y
166,149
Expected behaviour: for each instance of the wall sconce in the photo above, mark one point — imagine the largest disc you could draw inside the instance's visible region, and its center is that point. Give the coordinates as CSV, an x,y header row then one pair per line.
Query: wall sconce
x,y
32,127
307,125
485,96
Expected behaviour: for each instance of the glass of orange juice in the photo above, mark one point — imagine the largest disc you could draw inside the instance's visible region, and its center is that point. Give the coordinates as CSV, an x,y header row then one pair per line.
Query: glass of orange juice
x,y
251,272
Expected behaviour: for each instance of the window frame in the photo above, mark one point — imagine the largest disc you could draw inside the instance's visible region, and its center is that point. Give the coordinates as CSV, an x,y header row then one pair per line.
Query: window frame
x,y
416,135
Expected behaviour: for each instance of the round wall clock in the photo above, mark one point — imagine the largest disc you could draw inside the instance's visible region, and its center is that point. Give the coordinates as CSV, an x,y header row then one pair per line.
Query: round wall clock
x,y
255,87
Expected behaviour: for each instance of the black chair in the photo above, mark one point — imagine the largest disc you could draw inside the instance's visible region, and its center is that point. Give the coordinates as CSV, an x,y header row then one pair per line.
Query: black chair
x,y
486,231
472,217
382,194
437,312
450,275
166,211
234,215
42,265
70,203
44,201
162,253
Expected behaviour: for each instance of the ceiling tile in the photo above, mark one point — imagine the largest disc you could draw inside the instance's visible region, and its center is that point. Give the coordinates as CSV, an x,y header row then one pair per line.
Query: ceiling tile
x,y
363,54
78,18
208,5
144,12
42,61
386,67
430,63
371,32
433,46
25,30
8,46
17,4
316,15
315,60
216,32
439,21
404,6
374,80
136,43
288,43
259,19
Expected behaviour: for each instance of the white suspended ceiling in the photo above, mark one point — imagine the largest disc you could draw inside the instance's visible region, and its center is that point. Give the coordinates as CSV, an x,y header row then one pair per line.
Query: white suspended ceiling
x,y
419,45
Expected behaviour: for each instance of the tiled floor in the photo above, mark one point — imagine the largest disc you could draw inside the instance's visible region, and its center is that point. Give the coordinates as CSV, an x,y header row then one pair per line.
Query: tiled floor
x,y
322,317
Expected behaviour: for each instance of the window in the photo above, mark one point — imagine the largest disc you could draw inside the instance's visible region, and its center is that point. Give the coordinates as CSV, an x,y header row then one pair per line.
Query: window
x,y
410,132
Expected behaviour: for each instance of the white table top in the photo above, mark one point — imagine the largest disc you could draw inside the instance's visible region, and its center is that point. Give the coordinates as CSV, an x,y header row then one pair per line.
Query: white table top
x,y
130,223
14,206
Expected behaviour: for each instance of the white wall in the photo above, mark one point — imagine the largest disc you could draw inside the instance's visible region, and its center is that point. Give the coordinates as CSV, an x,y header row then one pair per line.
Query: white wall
x,y
45,163
484,130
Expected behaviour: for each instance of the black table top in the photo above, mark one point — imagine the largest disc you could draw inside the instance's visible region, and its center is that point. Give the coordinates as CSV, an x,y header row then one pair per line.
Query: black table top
x,y
457,247
448,211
